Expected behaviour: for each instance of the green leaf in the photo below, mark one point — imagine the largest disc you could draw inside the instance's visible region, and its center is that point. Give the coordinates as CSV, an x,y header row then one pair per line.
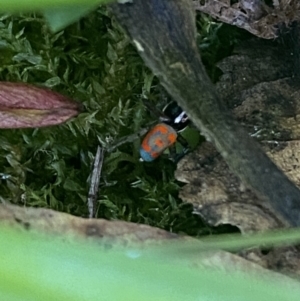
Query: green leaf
x,y
62,16
32,5
71,185
33,59
35,268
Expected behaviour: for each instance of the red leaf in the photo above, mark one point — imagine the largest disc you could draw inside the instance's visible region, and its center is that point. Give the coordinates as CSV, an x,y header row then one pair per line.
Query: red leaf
x,y
27,106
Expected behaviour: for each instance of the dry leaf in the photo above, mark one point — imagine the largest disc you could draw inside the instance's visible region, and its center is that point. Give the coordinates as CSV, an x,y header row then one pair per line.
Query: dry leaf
x,y
264,95
255,16
27,106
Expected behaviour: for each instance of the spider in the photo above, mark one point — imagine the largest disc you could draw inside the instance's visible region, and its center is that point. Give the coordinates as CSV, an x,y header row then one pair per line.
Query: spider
x,y
173,120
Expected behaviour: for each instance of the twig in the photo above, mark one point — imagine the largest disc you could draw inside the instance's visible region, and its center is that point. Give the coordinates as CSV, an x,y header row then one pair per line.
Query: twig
x,y
127,139
95,179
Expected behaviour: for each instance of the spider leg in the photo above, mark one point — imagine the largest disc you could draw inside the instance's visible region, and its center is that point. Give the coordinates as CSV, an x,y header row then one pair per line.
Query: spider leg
x,y
173,153
176,157
182,141
157,113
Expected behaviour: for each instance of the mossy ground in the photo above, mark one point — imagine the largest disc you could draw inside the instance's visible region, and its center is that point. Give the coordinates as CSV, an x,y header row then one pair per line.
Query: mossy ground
x,y
93,62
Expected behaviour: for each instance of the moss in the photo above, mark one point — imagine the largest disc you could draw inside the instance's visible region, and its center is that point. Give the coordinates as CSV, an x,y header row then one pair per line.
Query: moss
x,y
93,62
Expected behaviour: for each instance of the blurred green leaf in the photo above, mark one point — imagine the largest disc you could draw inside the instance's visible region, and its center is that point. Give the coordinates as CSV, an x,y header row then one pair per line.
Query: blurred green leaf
x,y
35,268
33,5
61,16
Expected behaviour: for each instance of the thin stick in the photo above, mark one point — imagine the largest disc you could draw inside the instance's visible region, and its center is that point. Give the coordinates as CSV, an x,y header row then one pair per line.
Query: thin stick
x,y
127,139
95,180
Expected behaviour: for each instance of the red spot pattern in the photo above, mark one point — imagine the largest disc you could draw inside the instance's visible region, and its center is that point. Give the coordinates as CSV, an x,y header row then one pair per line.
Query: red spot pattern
x,y
158,139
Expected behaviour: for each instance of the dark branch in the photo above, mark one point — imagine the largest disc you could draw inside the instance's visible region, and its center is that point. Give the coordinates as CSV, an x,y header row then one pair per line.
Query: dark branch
x,y
164,33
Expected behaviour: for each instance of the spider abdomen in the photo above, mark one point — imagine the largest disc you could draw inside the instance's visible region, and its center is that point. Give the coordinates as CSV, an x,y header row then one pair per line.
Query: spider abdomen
x,y
157,140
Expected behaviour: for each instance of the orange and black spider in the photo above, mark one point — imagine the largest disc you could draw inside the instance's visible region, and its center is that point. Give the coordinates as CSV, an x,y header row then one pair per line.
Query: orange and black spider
x,y
164,135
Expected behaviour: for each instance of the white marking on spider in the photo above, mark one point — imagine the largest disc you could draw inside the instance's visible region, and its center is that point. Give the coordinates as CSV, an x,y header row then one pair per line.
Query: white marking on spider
x,y
138,46
180,118
125,1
